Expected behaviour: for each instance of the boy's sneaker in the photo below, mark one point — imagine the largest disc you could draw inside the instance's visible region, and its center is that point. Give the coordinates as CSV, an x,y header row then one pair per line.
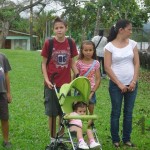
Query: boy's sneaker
x,y
52,140
60,140
83,145
94,145
6,144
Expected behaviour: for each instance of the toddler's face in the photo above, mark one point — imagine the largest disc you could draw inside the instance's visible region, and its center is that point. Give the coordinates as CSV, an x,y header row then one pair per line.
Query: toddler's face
x,y
81,110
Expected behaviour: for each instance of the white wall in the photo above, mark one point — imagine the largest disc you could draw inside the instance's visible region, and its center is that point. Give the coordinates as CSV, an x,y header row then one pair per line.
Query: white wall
x,y
142,45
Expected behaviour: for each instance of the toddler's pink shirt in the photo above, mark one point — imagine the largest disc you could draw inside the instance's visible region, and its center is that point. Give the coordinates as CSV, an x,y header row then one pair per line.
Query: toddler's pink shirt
x,y
77,122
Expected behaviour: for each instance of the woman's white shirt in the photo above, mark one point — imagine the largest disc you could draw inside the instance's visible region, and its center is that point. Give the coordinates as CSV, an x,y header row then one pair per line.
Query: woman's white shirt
x,y
122,61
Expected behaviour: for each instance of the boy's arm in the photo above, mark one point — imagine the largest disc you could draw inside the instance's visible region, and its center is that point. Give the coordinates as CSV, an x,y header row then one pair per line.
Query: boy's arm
x,y
8,87
49,84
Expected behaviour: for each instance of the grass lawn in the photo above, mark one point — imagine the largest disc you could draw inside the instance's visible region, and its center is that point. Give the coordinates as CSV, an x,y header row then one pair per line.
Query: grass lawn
x,y
28,123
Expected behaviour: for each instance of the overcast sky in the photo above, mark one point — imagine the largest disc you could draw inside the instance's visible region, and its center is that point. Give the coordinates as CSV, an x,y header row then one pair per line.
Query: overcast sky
x,y
51,6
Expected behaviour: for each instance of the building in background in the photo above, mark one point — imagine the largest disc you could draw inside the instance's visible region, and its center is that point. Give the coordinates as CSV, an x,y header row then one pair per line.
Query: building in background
x,y
19,40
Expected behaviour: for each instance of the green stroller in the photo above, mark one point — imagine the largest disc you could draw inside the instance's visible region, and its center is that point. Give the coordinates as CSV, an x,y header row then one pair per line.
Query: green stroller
x,y
66,96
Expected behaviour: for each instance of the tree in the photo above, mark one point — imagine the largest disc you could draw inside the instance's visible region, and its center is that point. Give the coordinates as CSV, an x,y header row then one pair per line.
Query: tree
x,y
4,20
84,19
43,25
104,14
80,18
9,12
20,24
116,9
147,5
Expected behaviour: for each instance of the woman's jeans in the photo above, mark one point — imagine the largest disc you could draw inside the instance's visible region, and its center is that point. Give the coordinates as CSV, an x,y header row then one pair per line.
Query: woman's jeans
x,y
116,103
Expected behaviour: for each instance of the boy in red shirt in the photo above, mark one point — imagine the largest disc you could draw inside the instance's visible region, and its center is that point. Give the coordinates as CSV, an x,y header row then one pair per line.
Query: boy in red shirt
x,y
61,62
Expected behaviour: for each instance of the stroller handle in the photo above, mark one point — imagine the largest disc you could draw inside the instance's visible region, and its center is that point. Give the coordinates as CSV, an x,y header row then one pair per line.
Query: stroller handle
x,y
53,76
82,117
54,85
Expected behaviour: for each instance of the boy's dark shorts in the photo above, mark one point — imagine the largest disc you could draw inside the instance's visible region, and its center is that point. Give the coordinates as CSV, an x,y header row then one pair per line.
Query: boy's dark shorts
x,y
52,106
3,107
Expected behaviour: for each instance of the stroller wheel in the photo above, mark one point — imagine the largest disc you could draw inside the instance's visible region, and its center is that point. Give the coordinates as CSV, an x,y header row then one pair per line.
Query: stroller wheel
x,y
62,146
58,146
52,146
47,148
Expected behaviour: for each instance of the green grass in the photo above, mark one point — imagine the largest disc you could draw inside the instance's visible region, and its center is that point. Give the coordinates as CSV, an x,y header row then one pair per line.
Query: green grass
x,y
28,123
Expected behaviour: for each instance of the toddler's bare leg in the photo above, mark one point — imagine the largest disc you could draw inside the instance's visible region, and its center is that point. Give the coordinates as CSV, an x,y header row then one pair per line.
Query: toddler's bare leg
x,y
90,134
78,130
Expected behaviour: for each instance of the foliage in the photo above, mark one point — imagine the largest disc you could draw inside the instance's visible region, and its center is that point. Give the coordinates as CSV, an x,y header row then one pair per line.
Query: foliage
x,y
6,10
110,12
29,125
21,24
147,5
83,18
9,12
116,9
80,20
40,28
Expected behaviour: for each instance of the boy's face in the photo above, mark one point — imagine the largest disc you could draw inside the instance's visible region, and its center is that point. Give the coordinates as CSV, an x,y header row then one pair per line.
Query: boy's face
x,y
60,29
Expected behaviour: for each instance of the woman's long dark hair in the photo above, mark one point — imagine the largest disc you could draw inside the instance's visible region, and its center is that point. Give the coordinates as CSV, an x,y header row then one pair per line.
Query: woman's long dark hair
x,y
115,29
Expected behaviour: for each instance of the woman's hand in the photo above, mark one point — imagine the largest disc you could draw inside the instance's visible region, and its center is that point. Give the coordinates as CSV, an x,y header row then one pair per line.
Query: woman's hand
x,y
123,88
131,87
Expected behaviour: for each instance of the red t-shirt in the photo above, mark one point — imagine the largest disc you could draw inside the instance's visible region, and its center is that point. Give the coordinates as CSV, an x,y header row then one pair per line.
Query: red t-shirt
x,y
60,61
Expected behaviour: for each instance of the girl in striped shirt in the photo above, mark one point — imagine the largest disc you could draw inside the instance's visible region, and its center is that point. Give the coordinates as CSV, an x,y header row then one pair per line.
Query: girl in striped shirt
x,y
87,58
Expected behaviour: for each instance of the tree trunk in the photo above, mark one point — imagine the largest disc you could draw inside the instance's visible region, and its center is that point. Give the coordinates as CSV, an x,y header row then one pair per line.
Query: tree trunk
x,y
83,34
97,22
4,33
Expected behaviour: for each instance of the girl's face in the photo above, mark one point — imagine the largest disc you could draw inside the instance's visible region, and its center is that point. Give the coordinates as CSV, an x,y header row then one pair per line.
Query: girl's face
x,y
81,110
60,30
88,51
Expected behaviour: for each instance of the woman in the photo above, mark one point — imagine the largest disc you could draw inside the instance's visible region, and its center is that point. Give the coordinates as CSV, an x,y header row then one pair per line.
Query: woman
x,y
121,62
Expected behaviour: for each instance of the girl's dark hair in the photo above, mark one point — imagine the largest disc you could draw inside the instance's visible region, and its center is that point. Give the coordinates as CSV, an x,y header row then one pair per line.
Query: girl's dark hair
x,y
115,29
77,104
58,19
87,42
